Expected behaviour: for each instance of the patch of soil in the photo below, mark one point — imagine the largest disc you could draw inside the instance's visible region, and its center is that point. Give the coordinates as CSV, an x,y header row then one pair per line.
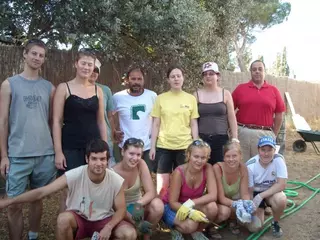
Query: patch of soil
x,y
304,224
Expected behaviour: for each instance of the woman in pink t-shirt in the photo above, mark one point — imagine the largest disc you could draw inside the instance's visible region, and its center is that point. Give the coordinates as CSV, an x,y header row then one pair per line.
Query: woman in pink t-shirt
x,y
190,203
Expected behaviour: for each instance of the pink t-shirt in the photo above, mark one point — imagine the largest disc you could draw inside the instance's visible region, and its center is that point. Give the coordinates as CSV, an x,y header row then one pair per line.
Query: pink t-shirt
x,y
90,200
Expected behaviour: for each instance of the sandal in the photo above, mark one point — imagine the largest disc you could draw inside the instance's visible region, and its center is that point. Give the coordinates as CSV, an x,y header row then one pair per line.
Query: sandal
x,y
234,228
213,233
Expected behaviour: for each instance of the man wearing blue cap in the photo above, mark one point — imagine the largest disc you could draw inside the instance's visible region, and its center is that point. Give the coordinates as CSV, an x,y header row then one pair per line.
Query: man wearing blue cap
x,y
267,179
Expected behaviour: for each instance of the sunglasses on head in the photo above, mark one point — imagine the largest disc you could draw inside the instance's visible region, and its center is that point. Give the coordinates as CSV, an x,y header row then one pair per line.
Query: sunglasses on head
x,y
134,141
200,142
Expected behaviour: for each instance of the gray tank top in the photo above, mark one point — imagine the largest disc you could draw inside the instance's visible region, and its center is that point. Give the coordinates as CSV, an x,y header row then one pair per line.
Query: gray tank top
x,y
29,131
213,118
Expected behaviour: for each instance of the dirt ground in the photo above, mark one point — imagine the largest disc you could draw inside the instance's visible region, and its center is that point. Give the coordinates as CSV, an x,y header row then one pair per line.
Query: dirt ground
x,y
304,224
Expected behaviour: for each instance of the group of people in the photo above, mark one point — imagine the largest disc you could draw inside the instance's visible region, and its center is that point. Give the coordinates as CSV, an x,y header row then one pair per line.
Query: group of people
x,y
196,144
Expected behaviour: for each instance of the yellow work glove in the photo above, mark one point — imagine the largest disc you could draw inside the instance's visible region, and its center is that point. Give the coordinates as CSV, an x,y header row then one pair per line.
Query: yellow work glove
x,y
184,210
198,216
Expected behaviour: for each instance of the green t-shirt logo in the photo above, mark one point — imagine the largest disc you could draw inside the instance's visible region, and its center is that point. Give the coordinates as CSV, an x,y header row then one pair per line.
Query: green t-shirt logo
x,y
135,109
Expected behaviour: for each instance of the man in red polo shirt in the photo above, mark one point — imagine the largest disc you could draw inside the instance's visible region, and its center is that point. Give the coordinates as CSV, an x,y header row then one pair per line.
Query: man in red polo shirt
x,y
260,110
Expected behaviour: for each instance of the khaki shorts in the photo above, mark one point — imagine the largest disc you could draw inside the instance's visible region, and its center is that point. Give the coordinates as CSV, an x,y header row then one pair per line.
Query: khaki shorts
x,y
249,140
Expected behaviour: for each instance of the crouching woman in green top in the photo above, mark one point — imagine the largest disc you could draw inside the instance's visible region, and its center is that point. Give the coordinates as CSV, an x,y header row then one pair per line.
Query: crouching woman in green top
x,y
143,211
232,182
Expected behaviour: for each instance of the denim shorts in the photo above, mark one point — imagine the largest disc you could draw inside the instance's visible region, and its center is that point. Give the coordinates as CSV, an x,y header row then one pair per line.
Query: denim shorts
x,y
168,216
33,171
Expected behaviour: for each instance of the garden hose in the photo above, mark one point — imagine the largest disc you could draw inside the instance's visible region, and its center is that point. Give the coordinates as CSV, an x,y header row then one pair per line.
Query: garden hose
x,y
290,192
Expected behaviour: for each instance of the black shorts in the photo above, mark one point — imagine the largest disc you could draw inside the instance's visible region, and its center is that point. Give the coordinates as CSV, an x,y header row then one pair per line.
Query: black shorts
x,y
167,160
216,143
74,158
263,203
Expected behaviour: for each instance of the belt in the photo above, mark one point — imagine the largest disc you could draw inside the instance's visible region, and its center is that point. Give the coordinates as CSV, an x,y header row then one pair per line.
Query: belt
x,y
252,126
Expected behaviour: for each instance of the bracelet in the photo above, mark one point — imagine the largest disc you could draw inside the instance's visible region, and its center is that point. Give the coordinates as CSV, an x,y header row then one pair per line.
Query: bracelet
x,y
235,140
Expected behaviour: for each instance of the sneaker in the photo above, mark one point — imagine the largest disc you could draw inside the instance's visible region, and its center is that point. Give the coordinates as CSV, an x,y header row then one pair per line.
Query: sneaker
x,y
176,235
276,229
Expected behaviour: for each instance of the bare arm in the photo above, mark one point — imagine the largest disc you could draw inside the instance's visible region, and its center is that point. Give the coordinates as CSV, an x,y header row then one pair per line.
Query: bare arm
x,y
221,196
5,99
154,135
51,107
147,183
231,115
36,194
175,188
211,196
119,205
100,116
195,94
155,131
111,121
58,106
194,128
278,117
279,186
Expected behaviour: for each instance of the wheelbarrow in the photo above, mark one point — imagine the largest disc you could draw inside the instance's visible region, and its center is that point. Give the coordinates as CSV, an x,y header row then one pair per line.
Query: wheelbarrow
x,y
308,136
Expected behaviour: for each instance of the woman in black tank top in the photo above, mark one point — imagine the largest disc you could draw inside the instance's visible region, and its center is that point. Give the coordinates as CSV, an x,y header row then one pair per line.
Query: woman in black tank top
x,y
78,115
215,106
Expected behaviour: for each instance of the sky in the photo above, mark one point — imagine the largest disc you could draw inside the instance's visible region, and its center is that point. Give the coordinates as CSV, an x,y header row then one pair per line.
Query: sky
x,y
300,34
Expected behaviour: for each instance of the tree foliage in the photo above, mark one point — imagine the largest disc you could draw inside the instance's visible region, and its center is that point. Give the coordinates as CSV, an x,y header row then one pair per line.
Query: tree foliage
x,y
154,33
280,66
258,15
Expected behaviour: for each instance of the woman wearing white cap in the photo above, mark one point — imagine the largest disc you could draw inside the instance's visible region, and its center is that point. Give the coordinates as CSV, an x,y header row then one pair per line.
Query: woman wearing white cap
x,y
215,106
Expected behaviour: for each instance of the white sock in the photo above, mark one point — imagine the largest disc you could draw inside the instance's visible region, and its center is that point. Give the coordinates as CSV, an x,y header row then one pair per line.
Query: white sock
x,y
33,235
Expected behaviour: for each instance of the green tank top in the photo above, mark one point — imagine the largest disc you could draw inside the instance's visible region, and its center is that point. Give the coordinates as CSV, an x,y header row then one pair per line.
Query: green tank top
x,y
231,191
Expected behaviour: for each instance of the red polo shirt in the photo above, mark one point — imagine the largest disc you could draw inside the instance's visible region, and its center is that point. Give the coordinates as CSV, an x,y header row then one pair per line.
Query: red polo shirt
x,y
257,106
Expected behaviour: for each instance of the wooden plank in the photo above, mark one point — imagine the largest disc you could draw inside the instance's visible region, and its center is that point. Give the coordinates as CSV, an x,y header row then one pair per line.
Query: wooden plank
x,y
289,101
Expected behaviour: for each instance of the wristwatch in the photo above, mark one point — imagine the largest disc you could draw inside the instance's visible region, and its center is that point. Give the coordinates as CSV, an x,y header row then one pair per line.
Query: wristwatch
x,y
235,140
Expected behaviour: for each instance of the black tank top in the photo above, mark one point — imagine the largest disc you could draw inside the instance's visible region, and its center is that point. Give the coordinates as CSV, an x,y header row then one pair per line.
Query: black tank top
x,y
79,121
213,118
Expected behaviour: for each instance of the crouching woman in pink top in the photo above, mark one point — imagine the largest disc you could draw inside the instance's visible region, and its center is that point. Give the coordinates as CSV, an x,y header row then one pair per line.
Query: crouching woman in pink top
x,y
188,207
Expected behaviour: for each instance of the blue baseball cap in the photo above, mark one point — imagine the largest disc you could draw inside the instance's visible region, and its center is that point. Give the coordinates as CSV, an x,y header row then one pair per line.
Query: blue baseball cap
x,y
267,141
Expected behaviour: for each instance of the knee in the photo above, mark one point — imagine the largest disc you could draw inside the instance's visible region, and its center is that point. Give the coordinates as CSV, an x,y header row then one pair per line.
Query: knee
x,y
255,225
64,221
14,209
156,207
280,200
211,210
188,226
126,233
224,213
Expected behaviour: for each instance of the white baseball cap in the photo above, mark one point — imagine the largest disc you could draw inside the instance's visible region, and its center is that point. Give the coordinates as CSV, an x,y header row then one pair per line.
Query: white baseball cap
x,y
210,66
97,64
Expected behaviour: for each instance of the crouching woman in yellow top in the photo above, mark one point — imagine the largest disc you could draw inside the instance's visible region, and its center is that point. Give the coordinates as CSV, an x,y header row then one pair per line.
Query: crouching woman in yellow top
x,y
188,207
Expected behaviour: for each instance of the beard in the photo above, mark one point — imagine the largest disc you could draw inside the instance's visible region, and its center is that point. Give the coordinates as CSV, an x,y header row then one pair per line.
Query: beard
x,y
135,88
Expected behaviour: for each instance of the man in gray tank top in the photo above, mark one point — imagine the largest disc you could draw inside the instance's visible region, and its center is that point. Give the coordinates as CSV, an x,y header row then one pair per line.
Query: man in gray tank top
x,y
27,154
